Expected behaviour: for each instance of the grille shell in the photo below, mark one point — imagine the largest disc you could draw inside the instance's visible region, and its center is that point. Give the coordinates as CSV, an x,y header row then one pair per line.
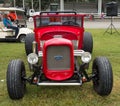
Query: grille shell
x,y
62,49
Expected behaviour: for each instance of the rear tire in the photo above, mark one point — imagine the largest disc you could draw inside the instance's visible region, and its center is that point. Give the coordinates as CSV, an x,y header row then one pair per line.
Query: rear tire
x,y
103,80
28,43
15,83
87,42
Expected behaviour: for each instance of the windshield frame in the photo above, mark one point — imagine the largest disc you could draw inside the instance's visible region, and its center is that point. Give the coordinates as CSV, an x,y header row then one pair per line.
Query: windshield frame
x,y
60,15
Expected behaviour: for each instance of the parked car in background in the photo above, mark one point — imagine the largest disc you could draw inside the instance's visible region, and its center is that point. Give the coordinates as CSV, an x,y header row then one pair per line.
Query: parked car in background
x,y
8,34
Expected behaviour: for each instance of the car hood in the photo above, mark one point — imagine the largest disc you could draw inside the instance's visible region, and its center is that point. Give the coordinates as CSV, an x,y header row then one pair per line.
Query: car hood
x,y
48,32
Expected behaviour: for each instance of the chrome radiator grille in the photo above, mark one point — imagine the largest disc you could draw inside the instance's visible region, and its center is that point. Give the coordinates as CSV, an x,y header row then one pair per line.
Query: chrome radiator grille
x,y
58,58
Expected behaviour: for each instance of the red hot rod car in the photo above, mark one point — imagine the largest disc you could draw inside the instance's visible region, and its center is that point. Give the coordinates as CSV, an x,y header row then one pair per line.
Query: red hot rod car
x,y
59,53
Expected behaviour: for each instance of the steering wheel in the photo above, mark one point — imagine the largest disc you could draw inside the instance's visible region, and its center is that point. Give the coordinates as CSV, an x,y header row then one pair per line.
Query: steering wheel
x,y
70,23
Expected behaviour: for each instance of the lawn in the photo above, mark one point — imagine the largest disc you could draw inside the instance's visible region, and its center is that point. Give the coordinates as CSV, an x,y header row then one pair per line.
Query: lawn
x,y
104,45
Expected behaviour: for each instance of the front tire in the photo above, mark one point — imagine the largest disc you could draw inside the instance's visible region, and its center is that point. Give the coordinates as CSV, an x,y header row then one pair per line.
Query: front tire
x,y
15,83
103,80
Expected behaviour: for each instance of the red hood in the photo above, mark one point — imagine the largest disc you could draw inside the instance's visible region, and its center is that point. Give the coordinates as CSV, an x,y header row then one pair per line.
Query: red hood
x,y
45,33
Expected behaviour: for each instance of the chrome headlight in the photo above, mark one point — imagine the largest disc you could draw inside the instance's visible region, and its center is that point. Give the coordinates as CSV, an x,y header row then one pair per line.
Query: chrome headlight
x,y
86,57
32,58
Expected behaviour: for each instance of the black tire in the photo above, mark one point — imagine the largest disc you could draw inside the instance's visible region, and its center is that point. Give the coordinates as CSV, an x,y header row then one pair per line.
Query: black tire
x,y
103,80
22,38
28,43
16,85
87,42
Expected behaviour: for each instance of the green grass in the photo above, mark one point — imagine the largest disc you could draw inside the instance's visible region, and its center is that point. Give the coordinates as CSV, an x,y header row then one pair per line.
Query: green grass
x,y
104,45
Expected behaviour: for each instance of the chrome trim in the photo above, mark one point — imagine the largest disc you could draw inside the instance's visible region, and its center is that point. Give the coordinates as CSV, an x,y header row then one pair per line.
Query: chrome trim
x,y
78,52
34,46
58,84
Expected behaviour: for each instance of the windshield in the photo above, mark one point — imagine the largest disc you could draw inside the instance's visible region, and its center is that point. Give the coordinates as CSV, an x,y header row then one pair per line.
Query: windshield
x,y
20,15
58,19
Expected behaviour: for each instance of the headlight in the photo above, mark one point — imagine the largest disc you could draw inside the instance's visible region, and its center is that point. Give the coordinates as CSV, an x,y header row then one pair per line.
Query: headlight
x,y
86,57
32,58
